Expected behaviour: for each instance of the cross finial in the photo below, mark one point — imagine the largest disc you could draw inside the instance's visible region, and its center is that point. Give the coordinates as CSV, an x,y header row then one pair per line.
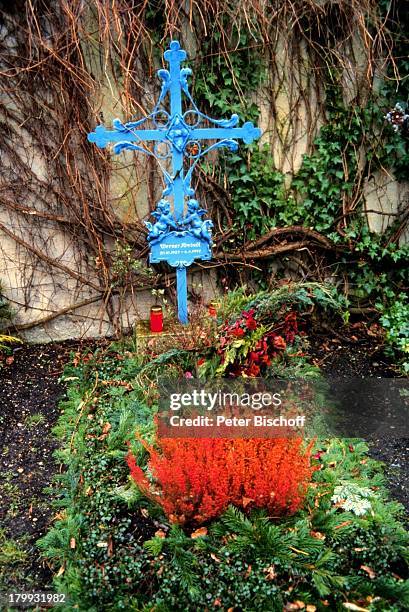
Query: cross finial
x,y
175,53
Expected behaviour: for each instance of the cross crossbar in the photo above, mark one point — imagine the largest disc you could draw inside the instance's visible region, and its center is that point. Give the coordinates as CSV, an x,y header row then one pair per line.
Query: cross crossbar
x,y
103,137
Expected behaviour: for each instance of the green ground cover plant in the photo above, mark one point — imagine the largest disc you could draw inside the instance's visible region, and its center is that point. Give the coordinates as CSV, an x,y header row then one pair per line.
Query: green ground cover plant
x,y
113,547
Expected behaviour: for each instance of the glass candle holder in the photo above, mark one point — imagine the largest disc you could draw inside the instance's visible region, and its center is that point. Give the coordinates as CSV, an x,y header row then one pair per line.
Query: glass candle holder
x,y
156,319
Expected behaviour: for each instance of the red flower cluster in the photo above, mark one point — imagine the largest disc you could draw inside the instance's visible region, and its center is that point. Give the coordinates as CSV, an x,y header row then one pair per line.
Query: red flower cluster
x,y
290,328
246,323
266,349
196,479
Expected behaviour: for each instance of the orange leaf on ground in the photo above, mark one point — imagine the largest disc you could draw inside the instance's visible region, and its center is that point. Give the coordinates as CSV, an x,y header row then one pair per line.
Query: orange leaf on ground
x,y
110,546
270,572
199,533
344,524
317,535
368,570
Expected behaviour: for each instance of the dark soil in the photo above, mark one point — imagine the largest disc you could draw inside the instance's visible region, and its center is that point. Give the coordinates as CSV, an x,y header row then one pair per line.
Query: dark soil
x,y
356,353
29,395
353,352
395,454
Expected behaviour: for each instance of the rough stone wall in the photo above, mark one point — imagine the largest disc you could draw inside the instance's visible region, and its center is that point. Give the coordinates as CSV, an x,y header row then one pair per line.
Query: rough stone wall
x,y
290,103
385,197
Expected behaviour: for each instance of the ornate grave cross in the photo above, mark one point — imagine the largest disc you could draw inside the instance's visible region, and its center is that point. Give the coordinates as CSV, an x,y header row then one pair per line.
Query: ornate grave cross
x,y
178,237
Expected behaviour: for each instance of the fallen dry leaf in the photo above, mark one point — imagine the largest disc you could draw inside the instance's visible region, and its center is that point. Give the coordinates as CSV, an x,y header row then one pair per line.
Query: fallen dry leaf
x,y
311,608
344,524
160,533
357,549
369,571
246,501
295,605
270,572
213,556
105,431
72,543
199,533
371,599
317,535
354,607
374,330
110,546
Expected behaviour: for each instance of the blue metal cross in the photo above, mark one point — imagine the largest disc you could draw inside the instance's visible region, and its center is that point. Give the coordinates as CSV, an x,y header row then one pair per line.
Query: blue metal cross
x,y
179,237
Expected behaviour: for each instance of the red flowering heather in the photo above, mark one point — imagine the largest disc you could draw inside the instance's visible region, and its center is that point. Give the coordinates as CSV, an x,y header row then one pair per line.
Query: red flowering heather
x,y
195,480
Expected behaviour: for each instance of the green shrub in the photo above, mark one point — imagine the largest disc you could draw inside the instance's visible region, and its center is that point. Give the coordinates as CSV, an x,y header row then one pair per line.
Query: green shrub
x,y
395,320
114,550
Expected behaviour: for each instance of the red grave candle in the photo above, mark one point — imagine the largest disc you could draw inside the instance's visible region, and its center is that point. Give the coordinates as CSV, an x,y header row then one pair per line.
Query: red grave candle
x,y
156,319
212,309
